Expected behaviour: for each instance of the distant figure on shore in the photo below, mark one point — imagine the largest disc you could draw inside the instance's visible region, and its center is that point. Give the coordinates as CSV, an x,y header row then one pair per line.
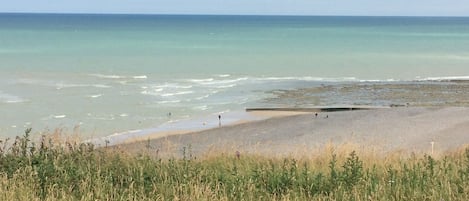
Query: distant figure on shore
x,y
169,115
219,120
327,116
316,115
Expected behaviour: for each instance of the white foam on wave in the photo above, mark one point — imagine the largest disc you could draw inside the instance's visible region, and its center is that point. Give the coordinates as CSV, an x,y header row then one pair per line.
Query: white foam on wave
x,y
229,83
60,116
168,101
177,93
376,80
9,98
153,92
101,86
172,86
54,116
134,131
104,76
202,97
107,76
307,78
166,89
225,81
201,107
226,86
462,78
370,80
60,86
15,101
140,77
200,80
95,96
243,101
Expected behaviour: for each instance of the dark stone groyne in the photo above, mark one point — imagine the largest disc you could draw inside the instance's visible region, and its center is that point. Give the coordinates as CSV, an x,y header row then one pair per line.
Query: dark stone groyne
x,y
318,109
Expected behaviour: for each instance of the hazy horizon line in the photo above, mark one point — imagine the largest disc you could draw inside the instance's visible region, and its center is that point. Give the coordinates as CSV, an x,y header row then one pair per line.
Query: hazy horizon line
x,y
214,14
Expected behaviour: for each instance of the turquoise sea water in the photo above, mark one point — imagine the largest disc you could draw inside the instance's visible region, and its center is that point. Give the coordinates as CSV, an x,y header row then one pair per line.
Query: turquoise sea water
x,y
114,73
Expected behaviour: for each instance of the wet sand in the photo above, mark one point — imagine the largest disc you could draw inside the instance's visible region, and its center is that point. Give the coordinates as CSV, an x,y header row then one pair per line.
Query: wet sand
x,y
404,129
417,94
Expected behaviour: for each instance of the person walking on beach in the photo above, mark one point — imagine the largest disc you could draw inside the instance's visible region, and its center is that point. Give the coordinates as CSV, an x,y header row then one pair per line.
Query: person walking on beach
x,y
219,120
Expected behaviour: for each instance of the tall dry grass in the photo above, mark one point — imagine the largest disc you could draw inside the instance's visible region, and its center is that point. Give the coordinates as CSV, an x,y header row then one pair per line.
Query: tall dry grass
x,y
76,171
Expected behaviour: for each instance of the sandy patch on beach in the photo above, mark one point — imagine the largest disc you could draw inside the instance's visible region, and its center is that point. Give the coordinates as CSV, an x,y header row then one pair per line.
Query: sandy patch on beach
x,y
157,135
407,129
257,115
271,114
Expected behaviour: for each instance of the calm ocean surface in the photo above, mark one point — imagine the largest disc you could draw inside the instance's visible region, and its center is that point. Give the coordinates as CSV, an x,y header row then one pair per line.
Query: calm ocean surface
x,y
109,74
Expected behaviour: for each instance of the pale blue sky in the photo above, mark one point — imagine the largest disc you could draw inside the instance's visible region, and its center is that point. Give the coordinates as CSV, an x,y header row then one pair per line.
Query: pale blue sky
x,y
254,7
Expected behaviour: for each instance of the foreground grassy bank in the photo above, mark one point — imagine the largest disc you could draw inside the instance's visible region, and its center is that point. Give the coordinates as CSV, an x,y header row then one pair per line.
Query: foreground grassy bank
x,y
47,171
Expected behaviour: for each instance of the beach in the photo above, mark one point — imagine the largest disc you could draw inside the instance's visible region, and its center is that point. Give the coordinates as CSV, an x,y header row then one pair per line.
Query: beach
x,y
402,129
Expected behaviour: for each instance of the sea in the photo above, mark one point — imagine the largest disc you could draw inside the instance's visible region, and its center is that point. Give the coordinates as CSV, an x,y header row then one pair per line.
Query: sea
x,y
116,75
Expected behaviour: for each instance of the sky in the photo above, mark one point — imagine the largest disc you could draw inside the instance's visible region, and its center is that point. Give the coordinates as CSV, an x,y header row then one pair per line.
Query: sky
x,y
245,7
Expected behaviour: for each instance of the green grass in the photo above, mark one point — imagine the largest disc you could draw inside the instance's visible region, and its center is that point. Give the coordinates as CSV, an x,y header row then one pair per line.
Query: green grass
x,y
74,171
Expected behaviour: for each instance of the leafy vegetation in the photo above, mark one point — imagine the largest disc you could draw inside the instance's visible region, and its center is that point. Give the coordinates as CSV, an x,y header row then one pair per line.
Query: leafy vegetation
x,y
78,171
